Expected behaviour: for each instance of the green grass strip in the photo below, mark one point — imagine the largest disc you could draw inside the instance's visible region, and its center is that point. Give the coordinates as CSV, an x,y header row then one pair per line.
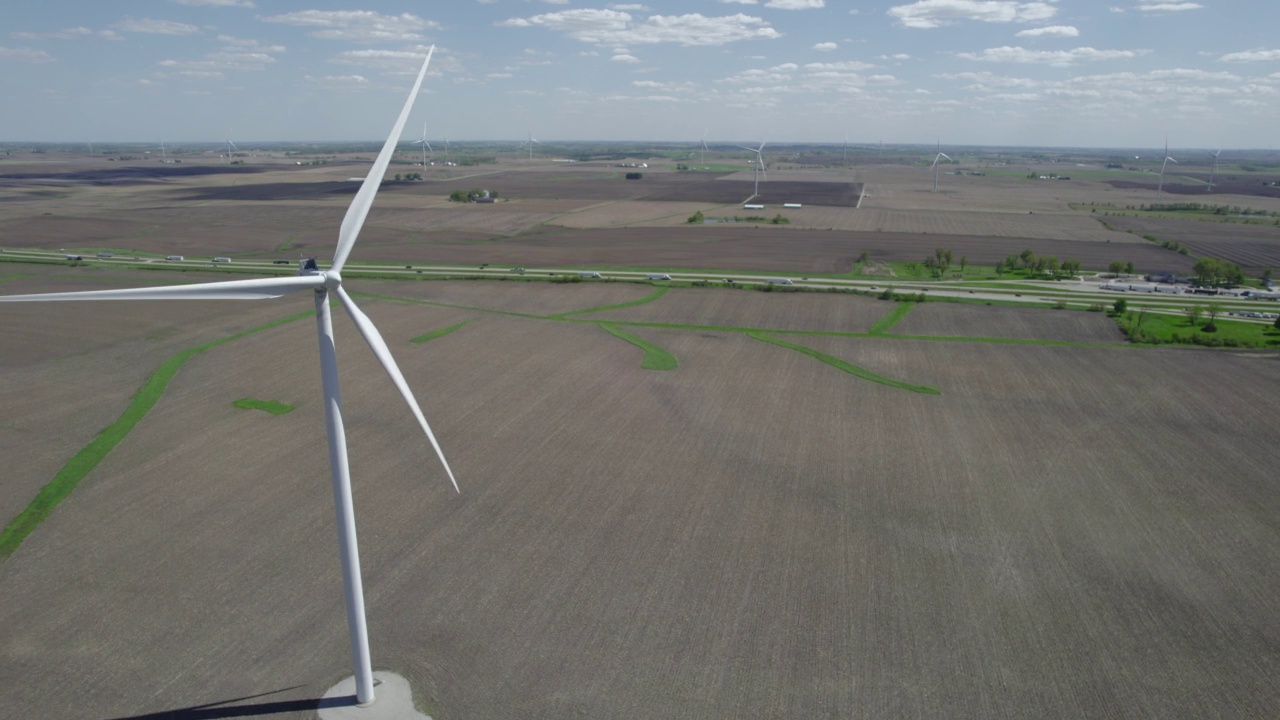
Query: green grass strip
x,y
891,318
657,293
83,462
655,358
274,407
847,366
438,333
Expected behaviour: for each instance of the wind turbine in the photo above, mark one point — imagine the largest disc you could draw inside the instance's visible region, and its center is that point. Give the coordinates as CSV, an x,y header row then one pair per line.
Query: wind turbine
x,y
936,158
322,283
163,156
425,145
704,148
230,146
530,144
1214,172
1160,187
446,149
759,165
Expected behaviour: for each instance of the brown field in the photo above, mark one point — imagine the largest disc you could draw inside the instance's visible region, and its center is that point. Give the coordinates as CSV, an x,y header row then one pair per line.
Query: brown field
x,y
1081,532
1253,247
1254,186
950,319
749,308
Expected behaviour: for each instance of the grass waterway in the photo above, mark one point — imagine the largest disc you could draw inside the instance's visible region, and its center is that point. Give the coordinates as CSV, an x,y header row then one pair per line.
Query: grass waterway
x,y
83,462
655,358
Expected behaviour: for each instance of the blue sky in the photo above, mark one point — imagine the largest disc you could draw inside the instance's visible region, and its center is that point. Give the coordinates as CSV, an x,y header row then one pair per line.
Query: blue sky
x,y
1096,73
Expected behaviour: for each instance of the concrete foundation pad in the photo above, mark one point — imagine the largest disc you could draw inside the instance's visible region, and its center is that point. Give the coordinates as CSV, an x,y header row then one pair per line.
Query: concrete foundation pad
x,y
393,700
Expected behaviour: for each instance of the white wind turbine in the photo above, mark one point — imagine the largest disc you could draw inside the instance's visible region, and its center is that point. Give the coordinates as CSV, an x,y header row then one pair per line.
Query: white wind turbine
x,y
704,147
1160,187
759,165
322,283
936,170
530,144
425,145
1214,172
230,147
446,149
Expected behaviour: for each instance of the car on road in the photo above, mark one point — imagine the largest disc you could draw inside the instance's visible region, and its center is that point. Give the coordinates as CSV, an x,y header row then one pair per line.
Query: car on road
x,y
75,257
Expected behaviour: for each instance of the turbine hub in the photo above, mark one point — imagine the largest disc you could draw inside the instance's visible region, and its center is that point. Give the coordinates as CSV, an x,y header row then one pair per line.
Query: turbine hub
x,y
332,279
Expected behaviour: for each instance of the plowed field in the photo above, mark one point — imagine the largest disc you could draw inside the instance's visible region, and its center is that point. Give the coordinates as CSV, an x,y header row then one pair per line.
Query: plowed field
x,y
949,319
1253,247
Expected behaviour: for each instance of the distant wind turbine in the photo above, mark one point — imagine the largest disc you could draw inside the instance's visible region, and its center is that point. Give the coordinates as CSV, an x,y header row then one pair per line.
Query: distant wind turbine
x,y
1163,165
704,147
230,147
530,144
90,148
1214,172
936,169
164,157
324,284
759,165
425,145
446,149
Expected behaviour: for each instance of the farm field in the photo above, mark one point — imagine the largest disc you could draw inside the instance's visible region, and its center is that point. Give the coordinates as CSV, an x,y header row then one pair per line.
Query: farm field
x,y
951,319
1083,531
1253,247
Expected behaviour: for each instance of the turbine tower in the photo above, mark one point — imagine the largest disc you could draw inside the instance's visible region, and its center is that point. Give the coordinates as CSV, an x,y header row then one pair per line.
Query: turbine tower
x,y
704,148
425,145
759,165
1163,165
323,284
1214,172
936,169
230,147
530,144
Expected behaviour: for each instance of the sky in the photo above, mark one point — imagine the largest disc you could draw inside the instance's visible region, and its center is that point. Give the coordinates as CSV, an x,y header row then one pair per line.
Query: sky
x,y
1062,73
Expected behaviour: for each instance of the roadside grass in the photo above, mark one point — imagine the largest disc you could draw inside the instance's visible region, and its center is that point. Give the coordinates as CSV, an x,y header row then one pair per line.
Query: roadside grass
x,y
845,366
655,358
83,462
438,333
274,407
657,293
1160,329
891,318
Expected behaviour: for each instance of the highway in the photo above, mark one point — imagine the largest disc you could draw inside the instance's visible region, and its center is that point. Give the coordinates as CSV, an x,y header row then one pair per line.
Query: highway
x,y
1080,291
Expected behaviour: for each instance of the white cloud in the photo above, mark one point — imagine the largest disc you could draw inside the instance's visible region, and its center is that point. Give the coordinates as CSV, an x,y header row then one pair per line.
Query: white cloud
x,y
845,66
926,14
64,34
395,60
339,82
795,4
218,3
825,46
499,76
156,27
741,2
630,59
1251,56
898,56
631,6
246,44
230,59
611,27
1058,58
24,55
1050,31
1169,6
356,25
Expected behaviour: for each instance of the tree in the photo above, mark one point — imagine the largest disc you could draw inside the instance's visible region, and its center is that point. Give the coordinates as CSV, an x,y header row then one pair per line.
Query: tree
x,y
1120,306
1027,257
1116,267
1213,311
1071,267
1128,267
863,257
696,218
1277,324
1193,314
964,261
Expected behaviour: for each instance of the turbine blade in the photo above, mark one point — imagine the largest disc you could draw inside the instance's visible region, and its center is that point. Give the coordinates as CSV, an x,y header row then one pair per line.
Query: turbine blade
x,y
429,146
359,208
383,353
256,289
946,156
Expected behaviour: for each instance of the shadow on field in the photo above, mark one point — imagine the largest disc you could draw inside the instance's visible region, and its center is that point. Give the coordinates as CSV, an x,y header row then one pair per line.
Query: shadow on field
x,y
220,709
